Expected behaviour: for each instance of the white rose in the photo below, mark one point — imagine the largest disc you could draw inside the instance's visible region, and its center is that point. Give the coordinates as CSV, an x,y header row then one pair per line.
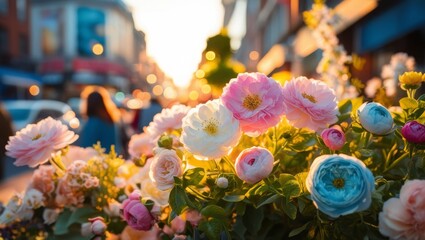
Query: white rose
x,y
210,131
164,167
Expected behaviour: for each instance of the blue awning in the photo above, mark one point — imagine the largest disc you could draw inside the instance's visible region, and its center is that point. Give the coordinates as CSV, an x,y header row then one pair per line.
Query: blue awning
x,y
10,76
395,22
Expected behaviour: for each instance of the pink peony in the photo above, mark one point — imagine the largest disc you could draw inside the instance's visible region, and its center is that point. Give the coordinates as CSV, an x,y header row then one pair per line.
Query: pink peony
x,y
414,132
254,164
404,217
136,214
310,103
35,144
169,119
255,100
141,144
334,138
79,153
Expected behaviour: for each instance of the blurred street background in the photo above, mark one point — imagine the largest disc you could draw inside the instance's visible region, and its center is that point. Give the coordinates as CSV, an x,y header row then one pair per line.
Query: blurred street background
x,y
151,54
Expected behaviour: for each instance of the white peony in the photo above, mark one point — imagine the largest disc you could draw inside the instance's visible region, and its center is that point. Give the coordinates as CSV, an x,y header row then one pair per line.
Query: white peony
x,y
210,131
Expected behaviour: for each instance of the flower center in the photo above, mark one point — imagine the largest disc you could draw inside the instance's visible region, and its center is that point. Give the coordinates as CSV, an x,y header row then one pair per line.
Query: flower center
x,y
339,182
36,137
309,97
211,127
251,102
167,167
251,161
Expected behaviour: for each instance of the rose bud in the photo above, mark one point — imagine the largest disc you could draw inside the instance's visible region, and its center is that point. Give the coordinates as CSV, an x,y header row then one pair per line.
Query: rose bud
x,y
375,118
414,132
254,164
98,226
136,214
334,138
222,182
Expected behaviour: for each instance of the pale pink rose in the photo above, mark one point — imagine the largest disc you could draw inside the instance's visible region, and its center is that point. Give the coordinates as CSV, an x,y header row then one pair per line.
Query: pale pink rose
x,y
79,153
164,167
255,100
98,225
334,137
141,144
35,144
310,103
42,179
136,214
404,217
192,216
177,226
169,119
254,164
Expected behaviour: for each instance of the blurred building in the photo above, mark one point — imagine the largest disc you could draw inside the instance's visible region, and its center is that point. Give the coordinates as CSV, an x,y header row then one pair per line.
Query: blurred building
x,y
278,40
80,42
16,68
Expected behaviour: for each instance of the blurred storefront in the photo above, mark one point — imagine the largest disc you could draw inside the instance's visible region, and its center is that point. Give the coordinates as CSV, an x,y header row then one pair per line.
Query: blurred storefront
x,y
78,43
277,39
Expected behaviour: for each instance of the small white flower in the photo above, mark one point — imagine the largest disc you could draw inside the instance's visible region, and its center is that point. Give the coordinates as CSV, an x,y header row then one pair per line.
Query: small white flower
x,y
222,182
50,215
33,199
210,131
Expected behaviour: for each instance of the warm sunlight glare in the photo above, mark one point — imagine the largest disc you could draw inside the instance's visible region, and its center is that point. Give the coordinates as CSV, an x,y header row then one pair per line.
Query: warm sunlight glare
x,y
176,32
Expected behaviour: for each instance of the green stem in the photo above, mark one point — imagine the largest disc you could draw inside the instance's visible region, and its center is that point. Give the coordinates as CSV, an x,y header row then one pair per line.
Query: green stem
x,y
397,161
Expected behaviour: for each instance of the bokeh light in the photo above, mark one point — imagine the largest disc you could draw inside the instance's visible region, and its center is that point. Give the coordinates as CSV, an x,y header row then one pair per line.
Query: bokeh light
x,y
34,90
97,49
151,78
210,55
157,90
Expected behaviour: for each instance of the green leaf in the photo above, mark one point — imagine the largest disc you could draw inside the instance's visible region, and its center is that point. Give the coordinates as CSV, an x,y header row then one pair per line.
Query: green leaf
x,y
213,211
408,103
299,230
233,198
212,228
301,177
345,106
193,176
366,152
290,209
422,97
253,219
269,200
177,199
290,185
357,127
61,226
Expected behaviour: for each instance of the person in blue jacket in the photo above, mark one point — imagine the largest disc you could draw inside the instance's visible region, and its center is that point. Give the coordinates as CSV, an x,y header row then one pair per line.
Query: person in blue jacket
x,y
102,120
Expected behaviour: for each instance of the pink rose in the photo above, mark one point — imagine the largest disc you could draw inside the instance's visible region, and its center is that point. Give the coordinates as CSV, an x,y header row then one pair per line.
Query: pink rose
x,y
310,103
255,100
136,214
35,144
334,138
166,121
141,144
98,225
165,166
254,164
414,132
404,217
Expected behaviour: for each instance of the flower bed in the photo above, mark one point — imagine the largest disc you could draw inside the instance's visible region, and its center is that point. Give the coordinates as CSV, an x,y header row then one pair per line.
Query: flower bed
x,y
264,161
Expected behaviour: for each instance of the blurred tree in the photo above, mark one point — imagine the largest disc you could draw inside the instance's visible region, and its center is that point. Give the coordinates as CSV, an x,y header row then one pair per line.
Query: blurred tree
x,y
217,62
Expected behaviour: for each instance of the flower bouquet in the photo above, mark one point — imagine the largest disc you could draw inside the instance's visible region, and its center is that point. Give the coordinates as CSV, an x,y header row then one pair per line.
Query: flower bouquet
x,y
264,161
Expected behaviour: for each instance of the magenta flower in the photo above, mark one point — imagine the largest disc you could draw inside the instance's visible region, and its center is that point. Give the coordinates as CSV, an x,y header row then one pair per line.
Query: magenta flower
x,y
334,138
255,100
254,164
136,214
35,144
404,217
310,103
414,132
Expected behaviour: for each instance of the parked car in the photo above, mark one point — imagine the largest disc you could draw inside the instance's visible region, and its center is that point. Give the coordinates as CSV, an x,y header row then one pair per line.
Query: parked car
x,y
24,112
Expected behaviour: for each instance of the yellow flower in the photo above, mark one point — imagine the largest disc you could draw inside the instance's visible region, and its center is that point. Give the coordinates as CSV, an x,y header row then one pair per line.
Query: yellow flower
x,y
411,80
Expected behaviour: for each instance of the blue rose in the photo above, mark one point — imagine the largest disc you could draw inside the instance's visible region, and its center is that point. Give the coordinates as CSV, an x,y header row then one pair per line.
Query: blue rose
x,y
375,118
340,185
